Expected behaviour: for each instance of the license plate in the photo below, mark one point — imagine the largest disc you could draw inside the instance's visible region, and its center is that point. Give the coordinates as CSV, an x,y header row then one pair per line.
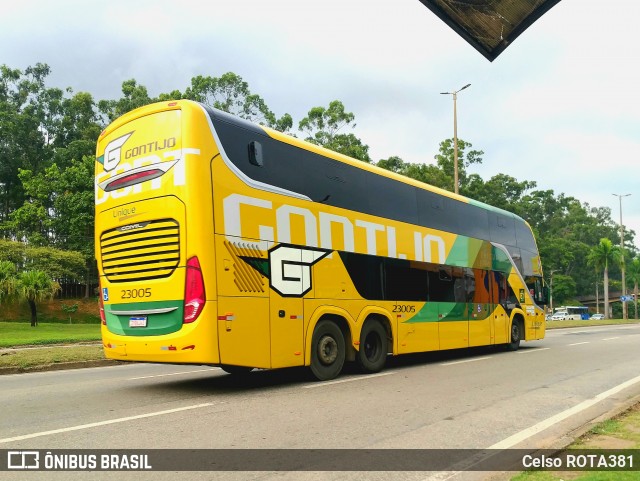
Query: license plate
x,y
137,322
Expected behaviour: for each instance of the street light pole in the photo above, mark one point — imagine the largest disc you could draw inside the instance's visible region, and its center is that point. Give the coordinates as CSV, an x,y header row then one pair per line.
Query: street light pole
x,y
455,135
624,284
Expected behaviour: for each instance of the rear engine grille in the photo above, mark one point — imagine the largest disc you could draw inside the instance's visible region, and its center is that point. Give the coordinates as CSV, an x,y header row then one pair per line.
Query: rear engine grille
x,y
141,251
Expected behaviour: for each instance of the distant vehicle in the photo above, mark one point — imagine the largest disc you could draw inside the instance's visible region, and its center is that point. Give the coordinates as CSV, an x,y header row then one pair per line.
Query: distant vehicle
x,y
597,317
573,313
559,316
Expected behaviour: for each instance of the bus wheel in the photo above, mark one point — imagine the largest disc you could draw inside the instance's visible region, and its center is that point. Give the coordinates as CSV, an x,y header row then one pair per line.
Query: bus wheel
x,y
373,347
236,370
327,351
516,335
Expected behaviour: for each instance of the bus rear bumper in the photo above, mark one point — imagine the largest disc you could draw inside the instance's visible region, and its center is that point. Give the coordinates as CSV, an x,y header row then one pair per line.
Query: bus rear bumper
x,y
195,343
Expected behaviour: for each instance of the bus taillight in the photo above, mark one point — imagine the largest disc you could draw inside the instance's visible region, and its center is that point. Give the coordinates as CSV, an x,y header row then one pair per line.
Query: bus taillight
x,y
103,317
194,295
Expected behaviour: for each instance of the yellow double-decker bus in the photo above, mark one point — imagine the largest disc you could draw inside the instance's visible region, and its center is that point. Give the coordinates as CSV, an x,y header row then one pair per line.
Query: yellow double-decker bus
x,y
221,242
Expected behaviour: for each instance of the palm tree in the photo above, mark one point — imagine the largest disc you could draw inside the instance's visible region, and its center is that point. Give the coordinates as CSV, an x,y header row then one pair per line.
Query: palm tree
x,y
7,279
35,286
600,257
633,274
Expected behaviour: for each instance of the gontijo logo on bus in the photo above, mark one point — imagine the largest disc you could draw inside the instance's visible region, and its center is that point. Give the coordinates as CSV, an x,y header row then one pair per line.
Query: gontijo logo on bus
x,y
154,158
113,151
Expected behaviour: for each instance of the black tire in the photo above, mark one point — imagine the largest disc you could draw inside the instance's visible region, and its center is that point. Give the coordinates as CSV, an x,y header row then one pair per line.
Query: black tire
x,y
327,351
516,335
236,370
372,355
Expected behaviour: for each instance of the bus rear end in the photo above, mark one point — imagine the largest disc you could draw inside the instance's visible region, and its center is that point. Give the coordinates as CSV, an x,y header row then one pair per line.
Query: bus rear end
x,y
151,227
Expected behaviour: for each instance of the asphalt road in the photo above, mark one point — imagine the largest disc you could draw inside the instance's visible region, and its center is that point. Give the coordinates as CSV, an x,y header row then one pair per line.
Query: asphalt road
x,y
479,398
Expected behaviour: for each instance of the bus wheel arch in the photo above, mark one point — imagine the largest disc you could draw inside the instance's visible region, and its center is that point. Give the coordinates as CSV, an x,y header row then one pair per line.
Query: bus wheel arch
x,y
516,333
375,340
330,343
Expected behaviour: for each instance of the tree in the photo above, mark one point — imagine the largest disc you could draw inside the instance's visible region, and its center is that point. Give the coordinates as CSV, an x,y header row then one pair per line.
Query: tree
x,y
393,163
134,95
564,289
60,211
56,263
323,125
7,279
445,161
28,113
35,286
231,93
601,256
501,191
633,275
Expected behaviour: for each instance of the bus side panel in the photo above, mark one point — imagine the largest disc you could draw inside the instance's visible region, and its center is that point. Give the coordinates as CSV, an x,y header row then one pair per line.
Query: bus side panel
x,y
452,325
243,308
243,331
420,333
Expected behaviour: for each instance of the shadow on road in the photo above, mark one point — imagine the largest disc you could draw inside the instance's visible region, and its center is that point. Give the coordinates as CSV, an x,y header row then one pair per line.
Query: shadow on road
x,y
219,382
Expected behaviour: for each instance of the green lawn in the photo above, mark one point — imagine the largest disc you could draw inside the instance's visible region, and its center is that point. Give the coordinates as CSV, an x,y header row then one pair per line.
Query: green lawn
x,y
21,334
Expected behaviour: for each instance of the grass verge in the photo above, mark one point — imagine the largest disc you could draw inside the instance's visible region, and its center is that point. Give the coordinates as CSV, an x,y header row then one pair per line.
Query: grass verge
x,y
47,357
622,432
22,334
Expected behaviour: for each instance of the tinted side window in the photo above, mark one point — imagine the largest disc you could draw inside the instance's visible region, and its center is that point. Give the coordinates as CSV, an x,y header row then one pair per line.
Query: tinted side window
x,y
327,180
391,199
502,229
442,285
475,221
524,236
481,294
530,262
499,289
366,274
406,280
436,211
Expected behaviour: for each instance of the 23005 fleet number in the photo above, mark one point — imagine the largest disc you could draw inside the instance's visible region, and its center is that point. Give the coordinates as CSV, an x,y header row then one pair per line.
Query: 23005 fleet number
x,y
135,293
403,308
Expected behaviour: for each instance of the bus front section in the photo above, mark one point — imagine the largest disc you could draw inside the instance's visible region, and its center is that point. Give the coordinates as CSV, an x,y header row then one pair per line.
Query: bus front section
x,y
153,281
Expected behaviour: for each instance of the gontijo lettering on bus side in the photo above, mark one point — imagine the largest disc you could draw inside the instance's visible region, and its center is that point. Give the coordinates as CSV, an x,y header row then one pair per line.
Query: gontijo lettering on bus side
x,y
358,235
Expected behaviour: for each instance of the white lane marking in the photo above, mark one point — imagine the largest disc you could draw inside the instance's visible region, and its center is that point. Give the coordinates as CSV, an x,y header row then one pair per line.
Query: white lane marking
x,y
578,343
538,349
466,360
103,423
340,381
542,425
611,338
172,374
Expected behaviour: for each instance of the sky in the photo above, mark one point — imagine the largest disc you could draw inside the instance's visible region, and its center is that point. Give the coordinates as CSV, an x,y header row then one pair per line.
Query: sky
x,y
560,106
